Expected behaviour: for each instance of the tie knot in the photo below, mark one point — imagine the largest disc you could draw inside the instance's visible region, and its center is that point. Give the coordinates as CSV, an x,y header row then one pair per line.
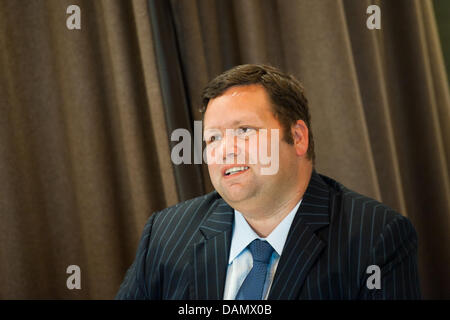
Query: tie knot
x,y
261,250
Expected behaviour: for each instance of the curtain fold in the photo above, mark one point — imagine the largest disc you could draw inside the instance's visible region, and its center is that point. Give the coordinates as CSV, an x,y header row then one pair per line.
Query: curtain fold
x,y
172,81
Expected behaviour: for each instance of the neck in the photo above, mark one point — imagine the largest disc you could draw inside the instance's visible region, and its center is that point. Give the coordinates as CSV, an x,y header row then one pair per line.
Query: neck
x,y
266,216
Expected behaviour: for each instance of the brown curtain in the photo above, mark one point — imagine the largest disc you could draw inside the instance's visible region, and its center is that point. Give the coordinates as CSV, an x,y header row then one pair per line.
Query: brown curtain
x,y
84,154
86,117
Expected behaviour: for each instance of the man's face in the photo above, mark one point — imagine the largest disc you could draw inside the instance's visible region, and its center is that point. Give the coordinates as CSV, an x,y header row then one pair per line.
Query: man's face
x,y
234,130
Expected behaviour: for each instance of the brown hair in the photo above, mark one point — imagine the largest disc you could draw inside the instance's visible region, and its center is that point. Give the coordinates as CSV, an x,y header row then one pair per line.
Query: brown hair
x,y
286,93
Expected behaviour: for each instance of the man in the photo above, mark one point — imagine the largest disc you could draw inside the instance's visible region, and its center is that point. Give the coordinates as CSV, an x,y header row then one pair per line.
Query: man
x,y
288,233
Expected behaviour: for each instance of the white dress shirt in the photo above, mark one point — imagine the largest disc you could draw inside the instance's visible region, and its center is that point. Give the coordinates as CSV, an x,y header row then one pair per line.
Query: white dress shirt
x,y
241,261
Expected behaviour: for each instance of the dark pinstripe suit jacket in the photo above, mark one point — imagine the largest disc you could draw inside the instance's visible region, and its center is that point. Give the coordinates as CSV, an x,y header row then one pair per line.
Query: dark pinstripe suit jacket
x,y
336,234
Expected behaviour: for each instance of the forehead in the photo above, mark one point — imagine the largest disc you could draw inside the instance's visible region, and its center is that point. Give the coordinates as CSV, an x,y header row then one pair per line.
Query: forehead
x,y
239,104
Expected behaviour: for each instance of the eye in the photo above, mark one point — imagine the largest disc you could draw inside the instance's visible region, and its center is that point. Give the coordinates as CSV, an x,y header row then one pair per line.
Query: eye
x,y
212,138
245,131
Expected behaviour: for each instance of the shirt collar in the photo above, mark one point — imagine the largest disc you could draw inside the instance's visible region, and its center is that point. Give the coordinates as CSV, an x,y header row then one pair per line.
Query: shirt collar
x,y
243,234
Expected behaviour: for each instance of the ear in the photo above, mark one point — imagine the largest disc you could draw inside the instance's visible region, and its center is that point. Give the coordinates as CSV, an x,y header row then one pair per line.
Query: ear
x,y
300,135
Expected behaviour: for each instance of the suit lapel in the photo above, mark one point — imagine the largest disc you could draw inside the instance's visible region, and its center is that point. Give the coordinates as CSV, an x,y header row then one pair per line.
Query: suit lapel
x,y
303,246
210,256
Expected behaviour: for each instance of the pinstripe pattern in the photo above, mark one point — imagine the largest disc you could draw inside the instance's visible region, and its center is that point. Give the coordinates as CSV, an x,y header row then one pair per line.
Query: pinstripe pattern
x,y
336,234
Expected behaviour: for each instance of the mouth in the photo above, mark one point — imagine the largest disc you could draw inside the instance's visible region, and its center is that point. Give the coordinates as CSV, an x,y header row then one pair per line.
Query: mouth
x,y
235,171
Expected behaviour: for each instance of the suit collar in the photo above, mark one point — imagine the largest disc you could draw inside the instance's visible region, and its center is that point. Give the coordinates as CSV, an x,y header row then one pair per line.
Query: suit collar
x,y
210,256
220,220
303,246
243,234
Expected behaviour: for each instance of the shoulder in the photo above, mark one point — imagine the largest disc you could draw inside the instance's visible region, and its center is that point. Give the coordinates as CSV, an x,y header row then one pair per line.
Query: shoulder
x,y
187,213
196,206
364,232
361,215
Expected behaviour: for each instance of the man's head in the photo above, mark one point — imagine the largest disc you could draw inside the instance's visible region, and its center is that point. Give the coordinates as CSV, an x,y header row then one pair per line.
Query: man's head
x,y
285,92
240,105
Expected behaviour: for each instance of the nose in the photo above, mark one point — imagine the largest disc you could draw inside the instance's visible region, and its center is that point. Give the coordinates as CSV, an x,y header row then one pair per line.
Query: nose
x,y
229,148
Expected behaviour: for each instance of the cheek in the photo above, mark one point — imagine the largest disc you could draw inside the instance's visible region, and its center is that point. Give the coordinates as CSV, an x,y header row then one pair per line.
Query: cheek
x,y
252,150
287,157
211,156
213,169
267,144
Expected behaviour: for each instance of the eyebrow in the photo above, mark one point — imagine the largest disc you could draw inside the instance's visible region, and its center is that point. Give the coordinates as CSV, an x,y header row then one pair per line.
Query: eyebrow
x,y
233,124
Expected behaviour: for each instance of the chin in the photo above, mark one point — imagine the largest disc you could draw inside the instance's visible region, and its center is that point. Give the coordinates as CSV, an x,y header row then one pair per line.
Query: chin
x,y
235,196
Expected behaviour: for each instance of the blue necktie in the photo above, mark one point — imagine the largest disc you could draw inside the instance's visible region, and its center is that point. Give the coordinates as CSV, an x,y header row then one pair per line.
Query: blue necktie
x,y
253,285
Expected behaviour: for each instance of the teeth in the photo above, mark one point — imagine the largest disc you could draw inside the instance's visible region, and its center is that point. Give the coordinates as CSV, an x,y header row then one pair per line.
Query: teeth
x,y
235,170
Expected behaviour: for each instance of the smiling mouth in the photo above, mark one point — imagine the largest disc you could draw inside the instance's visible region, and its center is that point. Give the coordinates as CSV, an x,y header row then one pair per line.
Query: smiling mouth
x,y
235,170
